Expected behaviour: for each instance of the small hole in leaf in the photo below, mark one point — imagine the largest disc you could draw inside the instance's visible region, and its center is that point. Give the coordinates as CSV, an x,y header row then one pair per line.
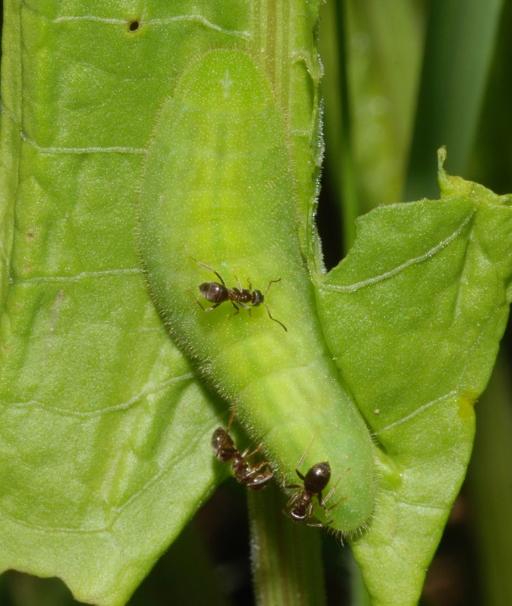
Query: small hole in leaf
x,y
133,26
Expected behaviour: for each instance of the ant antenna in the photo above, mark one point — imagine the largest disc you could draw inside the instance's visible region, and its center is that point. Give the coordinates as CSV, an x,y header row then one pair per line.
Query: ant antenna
x,y
267,307
274,319
270,284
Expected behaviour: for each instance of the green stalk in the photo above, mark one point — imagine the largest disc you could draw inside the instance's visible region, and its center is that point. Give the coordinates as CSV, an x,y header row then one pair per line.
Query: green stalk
x,y
491,489
286,557
359,594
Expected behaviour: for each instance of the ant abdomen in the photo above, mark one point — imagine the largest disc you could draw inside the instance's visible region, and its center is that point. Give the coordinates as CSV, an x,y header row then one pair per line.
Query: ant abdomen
x,y
317,478
213,292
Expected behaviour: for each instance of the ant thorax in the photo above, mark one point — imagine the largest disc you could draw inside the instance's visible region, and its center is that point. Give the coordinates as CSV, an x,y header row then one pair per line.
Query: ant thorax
x,y
238,295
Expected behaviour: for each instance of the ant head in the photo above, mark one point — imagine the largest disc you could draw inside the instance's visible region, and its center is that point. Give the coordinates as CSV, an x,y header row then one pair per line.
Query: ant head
x,y
300,509
317,477
222,444
257,297
213,291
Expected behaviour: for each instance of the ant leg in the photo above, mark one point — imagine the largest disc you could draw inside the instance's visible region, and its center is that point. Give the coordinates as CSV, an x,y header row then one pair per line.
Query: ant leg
x,y
300,475
323,502
248,453
270,284
315,524
293,486
207,309
253,452
213,271
275,319
263,465
256,469
212,307
237,309
239,283
292,500
331,507
245,306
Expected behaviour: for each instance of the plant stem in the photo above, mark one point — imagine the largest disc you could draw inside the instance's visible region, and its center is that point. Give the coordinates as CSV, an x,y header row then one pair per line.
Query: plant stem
x,y
286,557
491,489
359,593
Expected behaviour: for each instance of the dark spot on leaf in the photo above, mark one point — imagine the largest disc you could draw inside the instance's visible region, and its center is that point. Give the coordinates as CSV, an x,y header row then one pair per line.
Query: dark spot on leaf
x,y
134,25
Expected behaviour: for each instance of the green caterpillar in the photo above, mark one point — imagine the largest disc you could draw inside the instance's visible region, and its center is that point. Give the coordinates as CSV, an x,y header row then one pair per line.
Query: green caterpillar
x,y
218,190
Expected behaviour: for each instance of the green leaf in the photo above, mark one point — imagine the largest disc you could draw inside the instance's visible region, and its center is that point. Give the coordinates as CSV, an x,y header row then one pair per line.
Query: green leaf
x,y
413,316
218,190
105,435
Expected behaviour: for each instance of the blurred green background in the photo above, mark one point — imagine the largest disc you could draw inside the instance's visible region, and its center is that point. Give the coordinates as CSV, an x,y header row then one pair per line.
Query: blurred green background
x,y
402,78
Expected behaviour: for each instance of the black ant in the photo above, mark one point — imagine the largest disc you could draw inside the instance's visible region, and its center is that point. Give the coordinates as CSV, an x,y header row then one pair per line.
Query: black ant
x,y
218,292
300,505
255,476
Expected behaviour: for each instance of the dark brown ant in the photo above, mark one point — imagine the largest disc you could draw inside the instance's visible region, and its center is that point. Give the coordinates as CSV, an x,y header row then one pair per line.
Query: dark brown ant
x,y
300,505
255,476
217,292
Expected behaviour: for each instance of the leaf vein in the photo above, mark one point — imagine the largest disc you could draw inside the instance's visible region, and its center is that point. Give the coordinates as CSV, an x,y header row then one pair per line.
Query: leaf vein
x,y
122,406
349,288
117,511
416,412
83,275
192,18
82,150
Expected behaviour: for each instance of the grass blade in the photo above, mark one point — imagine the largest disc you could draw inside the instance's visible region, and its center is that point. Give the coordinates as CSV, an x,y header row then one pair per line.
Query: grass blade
x,y
460,41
